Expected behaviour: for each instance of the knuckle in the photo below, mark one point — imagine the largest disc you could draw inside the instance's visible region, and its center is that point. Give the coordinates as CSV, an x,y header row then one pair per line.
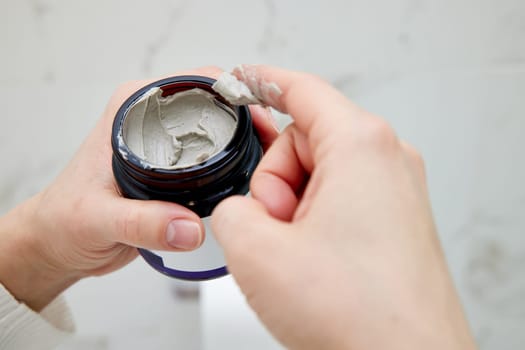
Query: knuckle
x,y
379,134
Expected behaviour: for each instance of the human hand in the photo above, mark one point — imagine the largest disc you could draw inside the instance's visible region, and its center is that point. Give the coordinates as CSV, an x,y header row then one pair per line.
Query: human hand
x,y
80,226
337,247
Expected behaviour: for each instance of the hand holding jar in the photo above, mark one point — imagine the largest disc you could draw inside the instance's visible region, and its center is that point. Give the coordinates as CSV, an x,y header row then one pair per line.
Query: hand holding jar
x,y
81,226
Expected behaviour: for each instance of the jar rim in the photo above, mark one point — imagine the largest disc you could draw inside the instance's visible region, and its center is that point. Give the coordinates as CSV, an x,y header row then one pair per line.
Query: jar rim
x,y
170,86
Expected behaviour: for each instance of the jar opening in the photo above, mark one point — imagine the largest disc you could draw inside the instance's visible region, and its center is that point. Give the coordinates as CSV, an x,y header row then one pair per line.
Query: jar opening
x,y
175,127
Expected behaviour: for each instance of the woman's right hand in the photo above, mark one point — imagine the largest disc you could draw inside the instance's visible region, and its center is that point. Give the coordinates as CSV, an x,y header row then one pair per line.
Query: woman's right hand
x,y
337,247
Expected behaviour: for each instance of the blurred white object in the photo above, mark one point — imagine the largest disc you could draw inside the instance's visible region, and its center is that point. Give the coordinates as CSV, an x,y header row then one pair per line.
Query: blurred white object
x,y
227,320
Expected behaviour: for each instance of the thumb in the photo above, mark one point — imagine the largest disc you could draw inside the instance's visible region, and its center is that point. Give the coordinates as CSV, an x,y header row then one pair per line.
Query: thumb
x,y
250,238
153,225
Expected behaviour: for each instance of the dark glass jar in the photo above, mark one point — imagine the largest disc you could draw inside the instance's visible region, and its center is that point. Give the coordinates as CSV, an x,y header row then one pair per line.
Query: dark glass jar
x,y
199,187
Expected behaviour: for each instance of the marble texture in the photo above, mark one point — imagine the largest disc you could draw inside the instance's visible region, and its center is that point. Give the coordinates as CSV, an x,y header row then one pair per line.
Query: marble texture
x,y
449,75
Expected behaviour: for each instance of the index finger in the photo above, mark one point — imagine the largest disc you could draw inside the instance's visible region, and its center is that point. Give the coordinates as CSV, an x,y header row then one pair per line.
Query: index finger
x,y
318,109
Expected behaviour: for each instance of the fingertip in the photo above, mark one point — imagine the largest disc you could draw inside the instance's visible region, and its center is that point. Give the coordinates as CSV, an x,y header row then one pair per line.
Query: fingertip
x,y
266,90
155,225
234,214
184,229
275,194
222,213
249,237
184,234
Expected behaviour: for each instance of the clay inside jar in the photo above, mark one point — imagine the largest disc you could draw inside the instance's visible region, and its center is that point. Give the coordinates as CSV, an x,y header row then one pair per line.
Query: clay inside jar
x,y
180,130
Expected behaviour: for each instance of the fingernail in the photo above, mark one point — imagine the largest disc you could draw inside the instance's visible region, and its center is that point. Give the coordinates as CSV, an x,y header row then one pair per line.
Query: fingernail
x,y
183,234
267,92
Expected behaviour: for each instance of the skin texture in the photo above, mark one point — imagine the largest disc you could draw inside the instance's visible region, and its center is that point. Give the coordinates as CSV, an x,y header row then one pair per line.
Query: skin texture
x,y
80,226
337,248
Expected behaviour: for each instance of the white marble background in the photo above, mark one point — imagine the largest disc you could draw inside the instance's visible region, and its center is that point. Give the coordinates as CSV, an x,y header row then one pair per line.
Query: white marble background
x,y
449,75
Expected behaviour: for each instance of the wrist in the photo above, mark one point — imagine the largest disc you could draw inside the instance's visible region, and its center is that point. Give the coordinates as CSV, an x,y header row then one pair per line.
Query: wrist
x,y
28,268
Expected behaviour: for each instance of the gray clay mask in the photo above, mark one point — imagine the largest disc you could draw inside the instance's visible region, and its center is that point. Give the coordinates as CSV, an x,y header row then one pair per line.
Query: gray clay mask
x,y
180,130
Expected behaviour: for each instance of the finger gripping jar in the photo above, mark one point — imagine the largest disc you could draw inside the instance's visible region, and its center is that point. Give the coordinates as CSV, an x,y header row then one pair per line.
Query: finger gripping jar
x,y
199,186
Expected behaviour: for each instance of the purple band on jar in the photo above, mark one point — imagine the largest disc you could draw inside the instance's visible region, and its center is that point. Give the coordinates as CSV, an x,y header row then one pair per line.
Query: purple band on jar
x,y
157,263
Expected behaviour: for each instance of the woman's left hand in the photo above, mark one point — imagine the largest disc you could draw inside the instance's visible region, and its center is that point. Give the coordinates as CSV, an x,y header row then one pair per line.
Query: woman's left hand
x,y
81,226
